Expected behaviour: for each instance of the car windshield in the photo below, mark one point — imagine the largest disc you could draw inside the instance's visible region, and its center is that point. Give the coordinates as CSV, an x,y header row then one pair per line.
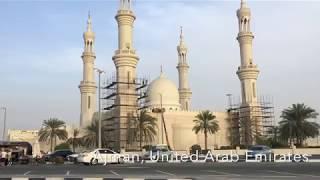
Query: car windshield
x,y
105,151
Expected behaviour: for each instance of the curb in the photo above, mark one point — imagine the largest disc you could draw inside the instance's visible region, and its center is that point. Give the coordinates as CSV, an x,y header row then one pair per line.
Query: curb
x,y
60,178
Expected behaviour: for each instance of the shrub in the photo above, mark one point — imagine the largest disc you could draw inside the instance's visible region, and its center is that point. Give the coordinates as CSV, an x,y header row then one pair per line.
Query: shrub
x,y
147,147
194,148
225,147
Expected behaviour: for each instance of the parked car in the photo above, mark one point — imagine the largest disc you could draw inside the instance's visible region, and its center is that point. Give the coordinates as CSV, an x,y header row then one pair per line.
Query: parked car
x,y
73,157
100,156
23,159
261,150
58,153
160,152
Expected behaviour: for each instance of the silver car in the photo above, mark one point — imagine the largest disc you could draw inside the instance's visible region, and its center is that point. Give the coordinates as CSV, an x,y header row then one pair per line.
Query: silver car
x,y
260,152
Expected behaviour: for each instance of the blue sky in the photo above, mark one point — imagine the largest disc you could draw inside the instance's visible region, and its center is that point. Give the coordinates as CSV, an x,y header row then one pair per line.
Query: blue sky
x,y
42,43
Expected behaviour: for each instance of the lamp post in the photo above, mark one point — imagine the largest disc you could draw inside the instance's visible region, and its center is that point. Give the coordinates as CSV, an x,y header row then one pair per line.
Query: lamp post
x,y
4,123
99,71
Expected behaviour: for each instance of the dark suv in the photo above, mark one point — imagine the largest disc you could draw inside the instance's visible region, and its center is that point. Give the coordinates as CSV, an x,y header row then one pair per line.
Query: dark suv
x,y
58,153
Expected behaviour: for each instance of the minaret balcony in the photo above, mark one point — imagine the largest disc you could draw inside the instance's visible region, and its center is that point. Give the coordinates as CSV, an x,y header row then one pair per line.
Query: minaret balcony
x,y
87,83
183,65
124,51
125,11
87,87
248,72
250,66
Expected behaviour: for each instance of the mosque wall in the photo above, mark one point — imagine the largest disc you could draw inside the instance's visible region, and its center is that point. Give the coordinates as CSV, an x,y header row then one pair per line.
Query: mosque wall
x,y
179,126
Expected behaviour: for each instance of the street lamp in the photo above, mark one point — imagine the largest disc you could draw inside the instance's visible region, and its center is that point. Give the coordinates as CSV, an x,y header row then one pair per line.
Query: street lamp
x,y
99,71
4,123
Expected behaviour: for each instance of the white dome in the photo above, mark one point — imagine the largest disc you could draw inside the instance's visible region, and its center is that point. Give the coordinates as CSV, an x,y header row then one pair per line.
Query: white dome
x,y
165,88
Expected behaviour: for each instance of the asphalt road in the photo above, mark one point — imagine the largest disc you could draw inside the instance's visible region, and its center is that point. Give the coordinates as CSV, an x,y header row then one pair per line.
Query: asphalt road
x,y
201,171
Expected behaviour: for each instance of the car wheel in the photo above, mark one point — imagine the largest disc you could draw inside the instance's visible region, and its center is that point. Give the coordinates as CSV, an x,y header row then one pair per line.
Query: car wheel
x,y
94,162
120,160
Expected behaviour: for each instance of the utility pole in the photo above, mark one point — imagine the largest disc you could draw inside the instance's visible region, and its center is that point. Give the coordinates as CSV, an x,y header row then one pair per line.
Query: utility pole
x,y
99,106
4,123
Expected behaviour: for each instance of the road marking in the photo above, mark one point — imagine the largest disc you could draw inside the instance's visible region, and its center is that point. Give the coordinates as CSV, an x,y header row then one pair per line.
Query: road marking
x,y
68,173
294,174
163,172
26,173
114,173
263,176
220,172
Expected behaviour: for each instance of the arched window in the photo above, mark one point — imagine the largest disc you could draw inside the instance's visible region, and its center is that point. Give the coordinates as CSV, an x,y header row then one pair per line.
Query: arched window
x,y
243,92
89,102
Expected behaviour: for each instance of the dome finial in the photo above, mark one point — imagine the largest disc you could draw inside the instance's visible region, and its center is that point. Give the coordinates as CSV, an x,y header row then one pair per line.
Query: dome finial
x,y
161,71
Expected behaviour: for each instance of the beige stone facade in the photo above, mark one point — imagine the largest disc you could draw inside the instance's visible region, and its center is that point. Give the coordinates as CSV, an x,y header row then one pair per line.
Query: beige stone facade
x,y
30,136
179,126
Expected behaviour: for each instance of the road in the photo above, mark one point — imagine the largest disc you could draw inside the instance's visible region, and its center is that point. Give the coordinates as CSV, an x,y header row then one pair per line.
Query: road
x,y
197,171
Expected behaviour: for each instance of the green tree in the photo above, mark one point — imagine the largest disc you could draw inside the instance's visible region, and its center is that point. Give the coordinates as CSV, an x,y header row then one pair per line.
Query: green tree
x,y
52,129
295,125
205,122
62,146
142,128
75,140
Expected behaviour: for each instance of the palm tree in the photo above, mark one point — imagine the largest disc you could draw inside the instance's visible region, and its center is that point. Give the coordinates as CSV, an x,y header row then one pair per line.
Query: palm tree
x,y
75,141
205,122
51,129
90,139
142,128
295,124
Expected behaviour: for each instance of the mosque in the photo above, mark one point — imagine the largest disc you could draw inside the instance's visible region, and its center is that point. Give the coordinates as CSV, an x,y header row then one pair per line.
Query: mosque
x,y
162,93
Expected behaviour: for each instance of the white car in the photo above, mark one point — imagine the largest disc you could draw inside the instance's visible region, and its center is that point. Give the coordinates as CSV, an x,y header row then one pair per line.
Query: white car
x,y
100,156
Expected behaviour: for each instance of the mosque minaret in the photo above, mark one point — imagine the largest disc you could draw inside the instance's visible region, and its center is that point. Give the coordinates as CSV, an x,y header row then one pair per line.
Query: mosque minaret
x,y
248,71
88,85
183,70
125,60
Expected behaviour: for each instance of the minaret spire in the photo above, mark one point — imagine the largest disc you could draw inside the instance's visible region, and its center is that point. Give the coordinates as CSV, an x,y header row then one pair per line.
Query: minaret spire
x,y
181,34
89,23
183,70
88,85
243,4
125,4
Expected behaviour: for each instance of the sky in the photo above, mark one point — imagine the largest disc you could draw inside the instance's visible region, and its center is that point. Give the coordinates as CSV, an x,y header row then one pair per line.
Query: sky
x,y
41,66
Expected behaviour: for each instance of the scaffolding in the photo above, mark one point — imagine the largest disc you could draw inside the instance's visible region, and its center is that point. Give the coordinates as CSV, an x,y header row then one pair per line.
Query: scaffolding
x,y
250,122
122,99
